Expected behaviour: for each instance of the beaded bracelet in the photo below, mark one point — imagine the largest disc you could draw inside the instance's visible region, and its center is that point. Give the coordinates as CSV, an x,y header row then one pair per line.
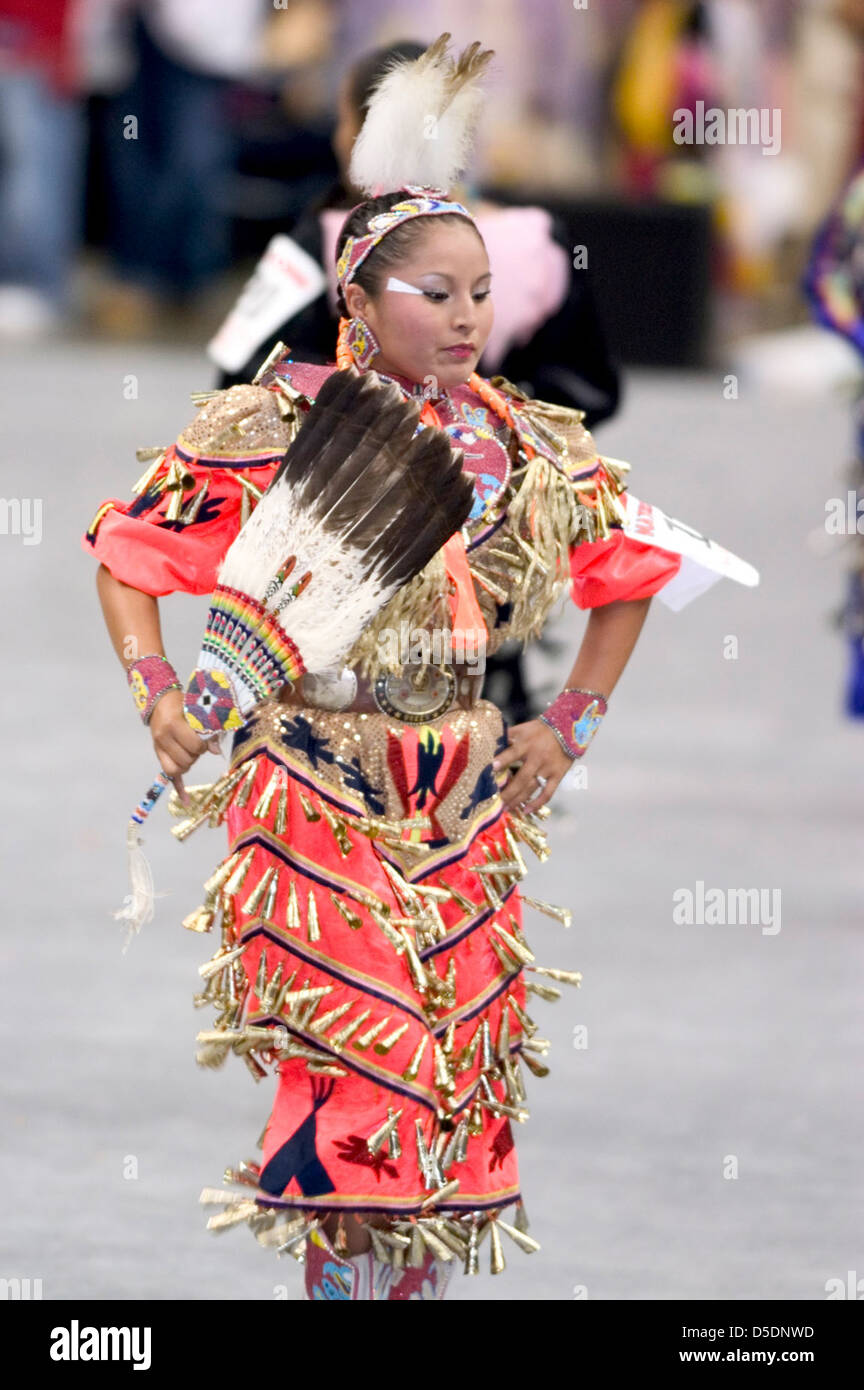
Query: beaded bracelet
x,y
574,718
150,677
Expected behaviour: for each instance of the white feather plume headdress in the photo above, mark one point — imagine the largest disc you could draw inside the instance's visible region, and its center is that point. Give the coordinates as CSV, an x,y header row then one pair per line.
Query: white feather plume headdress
x,y
420,122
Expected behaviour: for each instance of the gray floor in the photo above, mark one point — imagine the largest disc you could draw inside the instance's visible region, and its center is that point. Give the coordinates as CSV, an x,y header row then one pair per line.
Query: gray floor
x,y
710,1048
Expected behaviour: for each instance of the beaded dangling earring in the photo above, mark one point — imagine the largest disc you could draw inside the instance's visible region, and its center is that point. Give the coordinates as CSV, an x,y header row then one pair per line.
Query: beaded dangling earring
x,y
361,342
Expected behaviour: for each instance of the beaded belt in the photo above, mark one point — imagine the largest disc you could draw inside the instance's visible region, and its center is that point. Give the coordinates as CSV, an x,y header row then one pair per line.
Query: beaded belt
x,y
415,696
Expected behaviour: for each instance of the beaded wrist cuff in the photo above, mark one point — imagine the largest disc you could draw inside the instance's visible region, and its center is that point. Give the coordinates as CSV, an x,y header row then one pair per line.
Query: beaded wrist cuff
x,y
574,718
246,657
149,678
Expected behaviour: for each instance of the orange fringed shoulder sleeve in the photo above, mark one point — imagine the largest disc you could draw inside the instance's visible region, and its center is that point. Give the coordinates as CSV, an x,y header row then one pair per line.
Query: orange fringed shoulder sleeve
x,y
189,504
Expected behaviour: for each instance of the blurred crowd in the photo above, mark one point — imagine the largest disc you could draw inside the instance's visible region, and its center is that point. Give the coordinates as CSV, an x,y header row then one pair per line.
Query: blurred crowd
x,y
148,148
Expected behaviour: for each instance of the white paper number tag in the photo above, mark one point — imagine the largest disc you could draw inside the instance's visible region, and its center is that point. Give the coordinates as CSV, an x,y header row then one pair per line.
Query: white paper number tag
x,y
284,281
703,560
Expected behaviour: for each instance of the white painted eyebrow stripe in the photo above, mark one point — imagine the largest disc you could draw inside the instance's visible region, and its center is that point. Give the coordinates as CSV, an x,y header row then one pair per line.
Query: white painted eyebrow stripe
x,y
401,286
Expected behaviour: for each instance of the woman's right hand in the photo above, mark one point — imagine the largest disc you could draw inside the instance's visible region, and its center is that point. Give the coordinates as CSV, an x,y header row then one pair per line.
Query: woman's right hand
x,y
176,743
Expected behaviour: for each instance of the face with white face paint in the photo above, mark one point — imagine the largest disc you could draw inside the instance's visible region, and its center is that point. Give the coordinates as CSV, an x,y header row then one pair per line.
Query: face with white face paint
x,y
433,314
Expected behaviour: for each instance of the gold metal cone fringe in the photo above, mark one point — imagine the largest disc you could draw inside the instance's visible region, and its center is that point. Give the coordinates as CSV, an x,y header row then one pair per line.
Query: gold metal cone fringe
x,y
360,1044
292,910
440,1194
306,995
384,1134
533,1065
497,1262
514,850
469,908
443,1075
392,935
313,931
280,824
435,1243
272,989
275,353
521,952
201,920
566,977
542,991
502,1047
270,902
510,963
472,1262
235,882
417,1252
454,1151
561,914
404,890
325,1069
261,975
525,1021
220,876
261,809
469,1051
244,790
320,1025
487,1053
415,966
194,505
157,454
412,1070
384,1046
338,1040
337,827
531,836
220,961
351,918
525,1242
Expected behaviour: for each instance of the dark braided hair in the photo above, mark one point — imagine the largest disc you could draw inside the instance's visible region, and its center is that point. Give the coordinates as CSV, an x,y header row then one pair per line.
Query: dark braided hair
x,y
392,248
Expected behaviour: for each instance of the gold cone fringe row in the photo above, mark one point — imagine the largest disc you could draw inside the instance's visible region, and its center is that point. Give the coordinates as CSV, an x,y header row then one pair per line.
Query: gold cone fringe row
x,y
298,1005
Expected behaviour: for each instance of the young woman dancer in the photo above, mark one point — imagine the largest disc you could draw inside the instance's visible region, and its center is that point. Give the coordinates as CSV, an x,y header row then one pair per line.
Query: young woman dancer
x,y
371,945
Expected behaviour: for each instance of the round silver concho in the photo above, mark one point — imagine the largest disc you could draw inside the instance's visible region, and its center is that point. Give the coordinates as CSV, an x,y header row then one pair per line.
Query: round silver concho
x,y
416,695
334,688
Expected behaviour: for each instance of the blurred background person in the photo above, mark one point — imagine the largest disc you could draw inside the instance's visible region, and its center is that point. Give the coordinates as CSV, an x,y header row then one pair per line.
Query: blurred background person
x,y
42,142
170,151
834,288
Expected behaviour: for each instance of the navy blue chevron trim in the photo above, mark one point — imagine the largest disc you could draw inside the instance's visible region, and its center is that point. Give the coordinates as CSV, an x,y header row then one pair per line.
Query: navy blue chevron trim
x,y
326,968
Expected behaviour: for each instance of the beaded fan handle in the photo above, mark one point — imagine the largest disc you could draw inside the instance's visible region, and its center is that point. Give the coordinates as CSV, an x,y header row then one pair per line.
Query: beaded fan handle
x,y
137,906
148,801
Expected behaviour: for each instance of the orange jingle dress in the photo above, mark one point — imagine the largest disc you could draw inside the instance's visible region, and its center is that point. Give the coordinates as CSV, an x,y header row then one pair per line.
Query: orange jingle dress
x,y
368,912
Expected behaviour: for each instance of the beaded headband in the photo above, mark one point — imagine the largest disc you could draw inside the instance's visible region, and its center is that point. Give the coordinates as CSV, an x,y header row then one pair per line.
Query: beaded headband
x,y
423,202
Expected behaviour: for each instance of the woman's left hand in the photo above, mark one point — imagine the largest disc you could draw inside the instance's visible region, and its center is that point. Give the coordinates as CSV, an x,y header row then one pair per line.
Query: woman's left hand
x,y
544,764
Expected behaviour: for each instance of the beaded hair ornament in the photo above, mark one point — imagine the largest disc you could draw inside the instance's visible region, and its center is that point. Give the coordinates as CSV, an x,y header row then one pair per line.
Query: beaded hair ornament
x,y
423,202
